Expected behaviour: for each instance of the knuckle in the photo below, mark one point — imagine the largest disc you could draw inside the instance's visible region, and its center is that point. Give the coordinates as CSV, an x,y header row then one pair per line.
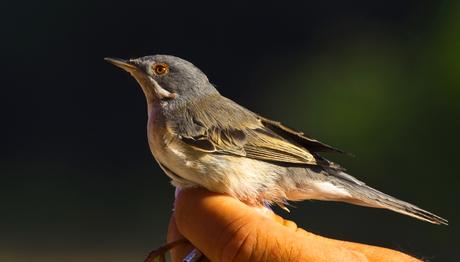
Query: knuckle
x,y
292,253
291,225
238,240
246,240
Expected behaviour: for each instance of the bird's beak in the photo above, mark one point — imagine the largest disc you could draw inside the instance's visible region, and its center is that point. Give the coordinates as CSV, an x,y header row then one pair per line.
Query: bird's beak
x,y
150,87
121,63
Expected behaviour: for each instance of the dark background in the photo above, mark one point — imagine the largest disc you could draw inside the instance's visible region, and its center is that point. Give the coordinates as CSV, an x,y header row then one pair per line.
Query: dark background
x,y
380,80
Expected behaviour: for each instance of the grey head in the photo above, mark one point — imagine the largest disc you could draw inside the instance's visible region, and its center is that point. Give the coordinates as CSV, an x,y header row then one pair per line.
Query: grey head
x,y
166,77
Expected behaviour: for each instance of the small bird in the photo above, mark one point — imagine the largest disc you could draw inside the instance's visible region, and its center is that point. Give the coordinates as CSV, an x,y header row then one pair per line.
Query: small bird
x,y
201,138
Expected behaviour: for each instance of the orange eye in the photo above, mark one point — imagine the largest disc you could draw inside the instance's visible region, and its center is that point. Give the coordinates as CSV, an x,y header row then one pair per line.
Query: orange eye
x,y
160,69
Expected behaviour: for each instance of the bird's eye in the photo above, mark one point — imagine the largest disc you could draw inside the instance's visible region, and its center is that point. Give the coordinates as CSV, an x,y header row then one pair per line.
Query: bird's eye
x,y
160,69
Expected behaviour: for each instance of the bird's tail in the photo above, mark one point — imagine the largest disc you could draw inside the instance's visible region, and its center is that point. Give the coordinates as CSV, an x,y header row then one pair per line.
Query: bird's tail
x,y
364,195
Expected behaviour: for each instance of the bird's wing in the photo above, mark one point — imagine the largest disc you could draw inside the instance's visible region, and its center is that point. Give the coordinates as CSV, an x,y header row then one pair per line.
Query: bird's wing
x,y
259,143
298,137
234,130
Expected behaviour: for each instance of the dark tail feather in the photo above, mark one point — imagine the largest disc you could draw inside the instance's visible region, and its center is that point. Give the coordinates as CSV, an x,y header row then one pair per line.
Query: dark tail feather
x,y
367,196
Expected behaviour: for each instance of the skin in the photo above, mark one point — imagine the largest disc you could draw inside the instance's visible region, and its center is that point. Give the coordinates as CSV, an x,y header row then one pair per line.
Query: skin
x,y
226,229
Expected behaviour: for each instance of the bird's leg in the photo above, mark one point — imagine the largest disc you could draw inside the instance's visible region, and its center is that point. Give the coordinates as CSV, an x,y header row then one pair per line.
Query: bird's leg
x,y
160,252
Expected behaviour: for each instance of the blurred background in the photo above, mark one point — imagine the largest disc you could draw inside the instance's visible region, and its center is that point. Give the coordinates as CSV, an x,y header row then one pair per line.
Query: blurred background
x,y
379,79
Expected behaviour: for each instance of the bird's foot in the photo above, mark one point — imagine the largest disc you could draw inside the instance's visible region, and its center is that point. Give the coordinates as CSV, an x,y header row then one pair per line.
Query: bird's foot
x,y
160,253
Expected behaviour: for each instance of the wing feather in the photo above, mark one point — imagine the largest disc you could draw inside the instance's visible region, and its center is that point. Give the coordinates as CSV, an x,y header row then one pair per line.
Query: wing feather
x,y
298,137
234,130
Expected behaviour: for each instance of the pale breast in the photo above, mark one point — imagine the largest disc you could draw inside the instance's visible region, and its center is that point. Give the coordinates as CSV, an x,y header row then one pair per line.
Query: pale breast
x,y
168,151
241,177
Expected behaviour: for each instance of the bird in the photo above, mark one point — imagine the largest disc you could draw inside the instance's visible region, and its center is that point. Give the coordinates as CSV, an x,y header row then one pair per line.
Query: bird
x,y
200,138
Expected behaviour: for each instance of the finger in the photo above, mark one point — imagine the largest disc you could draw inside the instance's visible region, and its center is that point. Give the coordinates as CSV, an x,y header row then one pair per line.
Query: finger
x,y
180,251
287,223
271,215
202,217
375,253
224,228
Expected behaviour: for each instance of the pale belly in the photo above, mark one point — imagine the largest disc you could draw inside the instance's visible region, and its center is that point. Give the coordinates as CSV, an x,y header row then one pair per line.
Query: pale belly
x,y
244,178
240,177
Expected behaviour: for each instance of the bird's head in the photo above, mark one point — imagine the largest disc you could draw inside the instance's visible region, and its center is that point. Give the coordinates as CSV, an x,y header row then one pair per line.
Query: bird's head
x,y
165,77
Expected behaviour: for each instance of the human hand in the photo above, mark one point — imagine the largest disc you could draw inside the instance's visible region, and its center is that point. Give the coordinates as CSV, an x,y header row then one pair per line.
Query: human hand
x,y
225,229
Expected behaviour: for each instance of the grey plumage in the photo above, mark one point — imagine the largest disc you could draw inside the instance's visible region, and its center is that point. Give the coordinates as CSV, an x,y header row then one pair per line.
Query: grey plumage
x,y
201,138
